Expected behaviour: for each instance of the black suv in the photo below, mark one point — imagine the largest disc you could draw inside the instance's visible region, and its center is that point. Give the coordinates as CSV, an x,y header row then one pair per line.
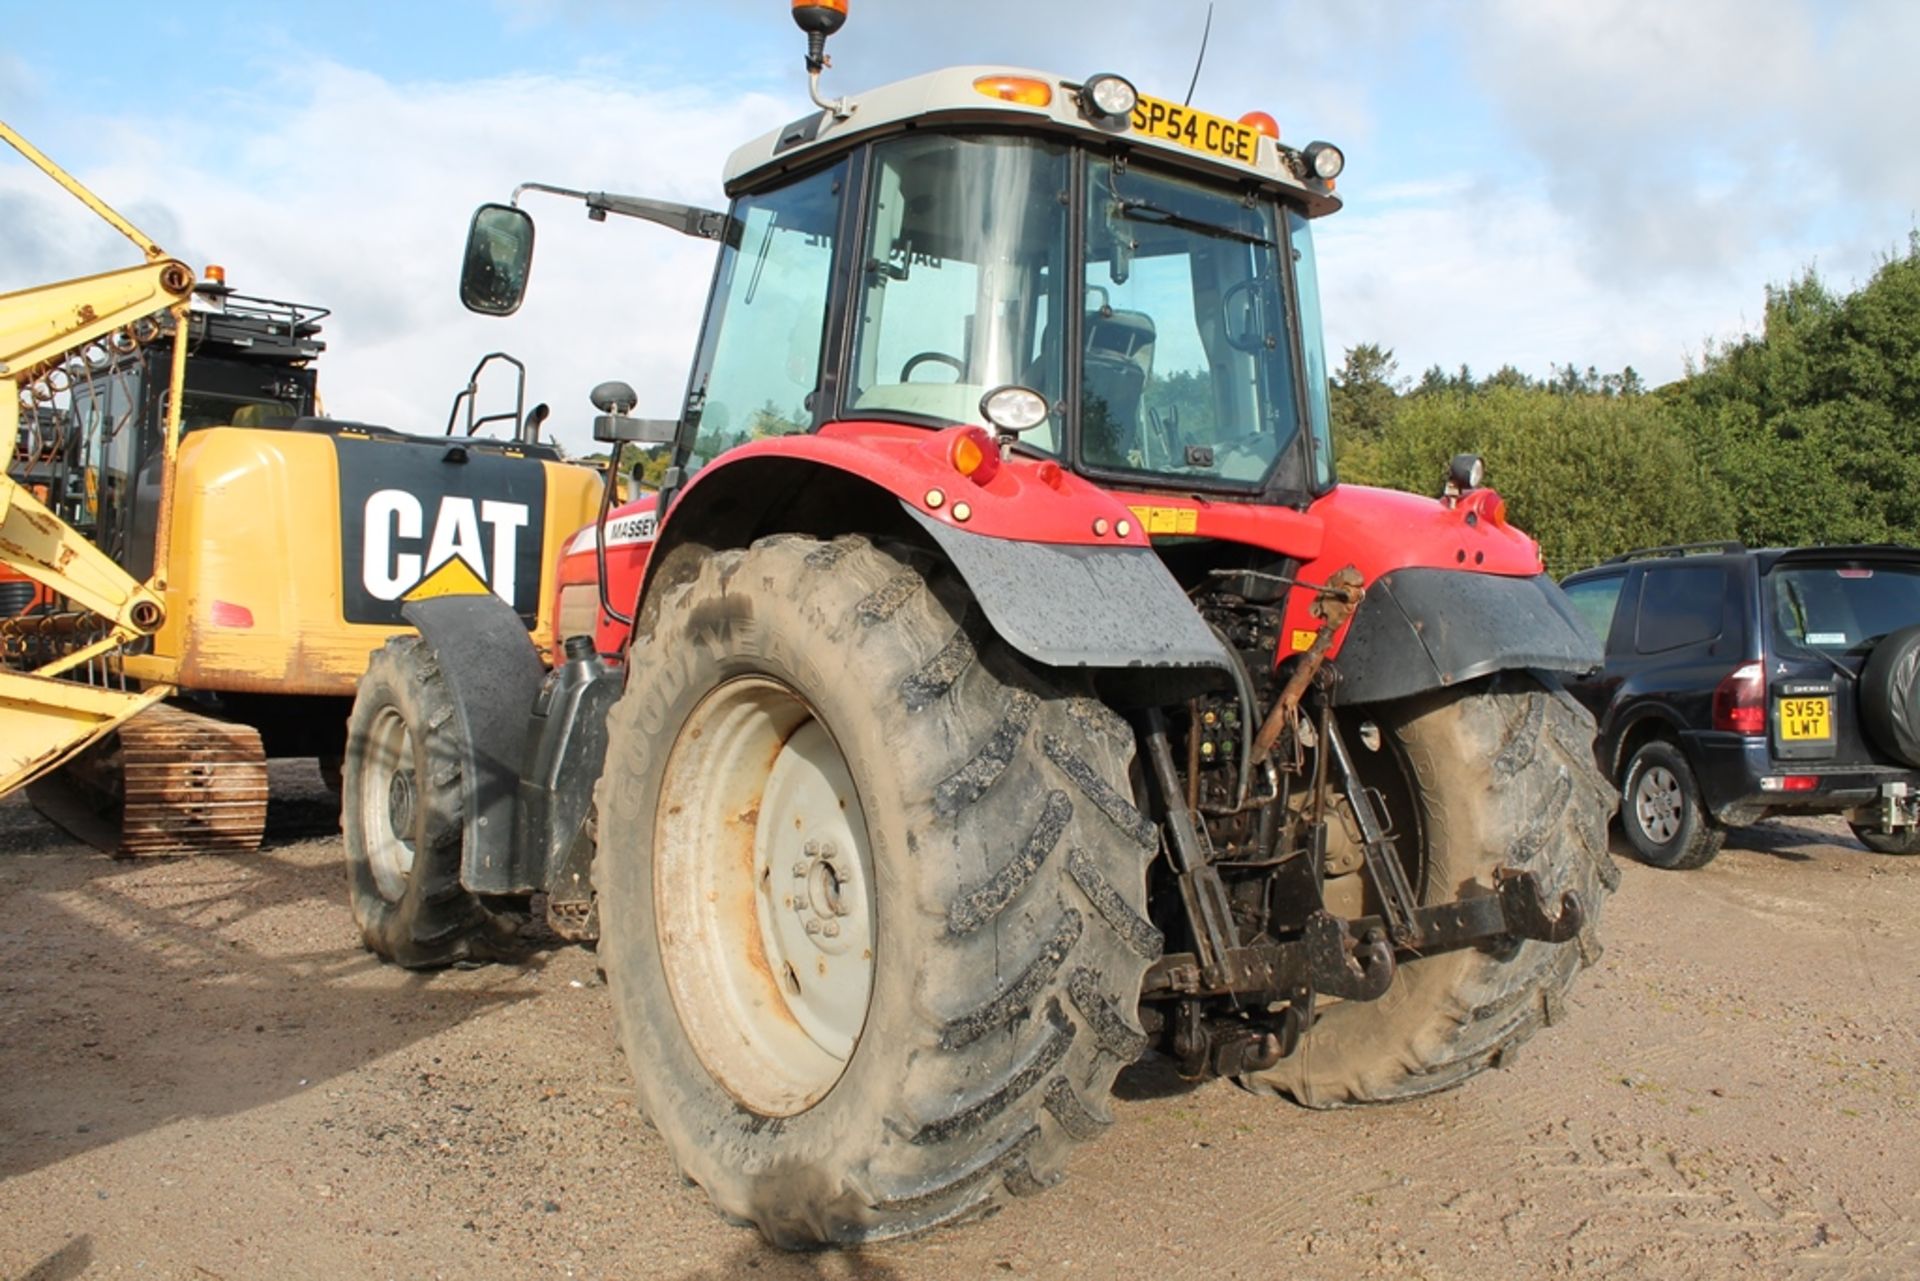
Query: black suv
x,y
1742,682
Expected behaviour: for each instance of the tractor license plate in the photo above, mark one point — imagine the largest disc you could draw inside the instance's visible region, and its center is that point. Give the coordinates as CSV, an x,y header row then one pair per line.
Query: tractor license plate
x,y
1196,130
1805,719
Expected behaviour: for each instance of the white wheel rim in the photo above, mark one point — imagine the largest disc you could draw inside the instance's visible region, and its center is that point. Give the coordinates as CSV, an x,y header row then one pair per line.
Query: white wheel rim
x,y
389,796
1657,803
763,893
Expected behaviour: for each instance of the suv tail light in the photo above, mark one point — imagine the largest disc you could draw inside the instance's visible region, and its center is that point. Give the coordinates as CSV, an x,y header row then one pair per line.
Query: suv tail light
x,y
1740,701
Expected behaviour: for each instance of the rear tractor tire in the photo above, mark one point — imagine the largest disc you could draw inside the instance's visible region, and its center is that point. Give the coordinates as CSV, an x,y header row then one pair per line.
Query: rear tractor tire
x,y
872,895
1498,773
402,820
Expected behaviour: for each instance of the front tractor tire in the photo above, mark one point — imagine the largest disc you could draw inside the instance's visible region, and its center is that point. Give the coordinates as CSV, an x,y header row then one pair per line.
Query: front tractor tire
x,y
401,818
1499,773
872,897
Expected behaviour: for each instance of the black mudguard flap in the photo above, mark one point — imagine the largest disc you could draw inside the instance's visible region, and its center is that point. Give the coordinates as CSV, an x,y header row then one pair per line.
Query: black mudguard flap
x,y
1422,629
1077,606
493,672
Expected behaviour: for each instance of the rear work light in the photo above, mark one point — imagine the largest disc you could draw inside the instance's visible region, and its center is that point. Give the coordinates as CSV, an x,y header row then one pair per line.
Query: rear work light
x,y
1740,701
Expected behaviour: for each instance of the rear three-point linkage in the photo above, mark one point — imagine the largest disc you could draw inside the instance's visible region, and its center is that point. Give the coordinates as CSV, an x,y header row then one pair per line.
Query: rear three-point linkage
x,y
1260,955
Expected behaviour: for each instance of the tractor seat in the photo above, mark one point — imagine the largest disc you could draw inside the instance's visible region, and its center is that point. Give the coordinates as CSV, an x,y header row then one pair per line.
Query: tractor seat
x,y
1113,378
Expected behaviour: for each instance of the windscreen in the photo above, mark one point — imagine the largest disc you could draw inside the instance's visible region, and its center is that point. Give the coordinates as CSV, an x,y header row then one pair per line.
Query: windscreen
x,y
1188,367
1841,608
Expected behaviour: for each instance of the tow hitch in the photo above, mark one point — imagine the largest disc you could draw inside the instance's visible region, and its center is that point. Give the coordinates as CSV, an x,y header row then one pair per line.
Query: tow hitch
x,y
1354,960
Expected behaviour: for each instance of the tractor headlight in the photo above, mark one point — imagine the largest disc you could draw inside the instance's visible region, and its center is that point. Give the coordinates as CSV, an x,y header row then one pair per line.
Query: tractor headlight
x,y
1013,409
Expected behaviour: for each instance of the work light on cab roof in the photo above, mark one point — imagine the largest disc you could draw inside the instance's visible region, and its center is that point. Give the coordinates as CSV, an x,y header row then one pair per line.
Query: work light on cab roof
x,y
1108,102
1109,99
819,19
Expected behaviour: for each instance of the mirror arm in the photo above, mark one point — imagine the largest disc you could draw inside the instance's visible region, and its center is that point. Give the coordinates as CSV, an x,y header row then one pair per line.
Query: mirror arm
x,y
688,220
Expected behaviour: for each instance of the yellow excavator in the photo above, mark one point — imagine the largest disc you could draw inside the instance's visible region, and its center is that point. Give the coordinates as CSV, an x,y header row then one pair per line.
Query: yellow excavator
x,y
195,564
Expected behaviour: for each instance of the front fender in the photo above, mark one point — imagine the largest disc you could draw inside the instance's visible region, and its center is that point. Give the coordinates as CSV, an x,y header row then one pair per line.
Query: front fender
x,y
493,672
1422,629
1031,499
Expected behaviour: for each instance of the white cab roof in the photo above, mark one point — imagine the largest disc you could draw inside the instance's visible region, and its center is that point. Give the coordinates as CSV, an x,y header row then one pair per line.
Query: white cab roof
x,y
949,97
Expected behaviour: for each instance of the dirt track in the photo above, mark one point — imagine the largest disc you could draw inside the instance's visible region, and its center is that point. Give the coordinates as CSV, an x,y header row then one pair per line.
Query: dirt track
x,y
202,1075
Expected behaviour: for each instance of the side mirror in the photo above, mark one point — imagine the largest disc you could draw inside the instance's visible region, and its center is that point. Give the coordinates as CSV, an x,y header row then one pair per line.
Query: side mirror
x,y
493,276
612,425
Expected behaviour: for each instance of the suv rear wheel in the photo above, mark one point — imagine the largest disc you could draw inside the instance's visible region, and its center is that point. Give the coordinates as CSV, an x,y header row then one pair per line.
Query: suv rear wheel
x,y
1904,841
1661,813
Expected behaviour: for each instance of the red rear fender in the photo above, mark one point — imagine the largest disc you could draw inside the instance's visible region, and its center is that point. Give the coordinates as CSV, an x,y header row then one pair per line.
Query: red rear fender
x,y
1376,531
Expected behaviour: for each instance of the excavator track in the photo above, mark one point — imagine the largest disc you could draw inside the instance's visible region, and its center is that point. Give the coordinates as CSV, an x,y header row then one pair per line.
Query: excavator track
x,y
169,781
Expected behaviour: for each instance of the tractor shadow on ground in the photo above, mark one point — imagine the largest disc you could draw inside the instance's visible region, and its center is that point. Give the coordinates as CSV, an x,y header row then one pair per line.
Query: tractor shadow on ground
x,y
145,993
1153,1077
758,1259
69,1261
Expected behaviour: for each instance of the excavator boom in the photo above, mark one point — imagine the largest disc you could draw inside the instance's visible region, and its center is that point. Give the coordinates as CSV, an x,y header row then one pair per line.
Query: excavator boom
x,y
44,720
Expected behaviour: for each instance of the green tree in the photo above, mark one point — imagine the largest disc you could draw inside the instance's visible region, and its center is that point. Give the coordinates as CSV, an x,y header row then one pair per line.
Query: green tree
x,y
1363,398
1589,475
1364,392
1813,425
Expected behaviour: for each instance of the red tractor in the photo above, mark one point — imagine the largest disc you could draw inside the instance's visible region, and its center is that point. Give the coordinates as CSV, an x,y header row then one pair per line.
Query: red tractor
x,y
1000,686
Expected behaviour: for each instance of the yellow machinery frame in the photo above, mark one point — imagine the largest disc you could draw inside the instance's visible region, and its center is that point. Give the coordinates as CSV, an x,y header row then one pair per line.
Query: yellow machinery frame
x,y
45,720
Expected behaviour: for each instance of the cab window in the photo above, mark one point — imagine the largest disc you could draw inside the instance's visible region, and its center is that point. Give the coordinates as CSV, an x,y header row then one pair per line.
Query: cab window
x,y
760,362
1187,369
960,278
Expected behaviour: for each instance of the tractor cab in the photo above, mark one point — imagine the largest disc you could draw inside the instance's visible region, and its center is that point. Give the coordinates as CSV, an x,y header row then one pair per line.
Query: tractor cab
x,y
1132,279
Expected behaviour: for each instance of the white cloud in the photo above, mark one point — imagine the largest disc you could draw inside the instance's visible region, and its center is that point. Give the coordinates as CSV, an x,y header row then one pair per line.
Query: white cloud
x,y
1688,139
356,197
1490,278
1673,160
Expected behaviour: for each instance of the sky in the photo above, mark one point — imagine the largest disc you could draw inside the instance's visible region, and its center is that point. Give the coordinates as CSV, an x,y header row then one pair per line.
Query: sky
x,y
1528,182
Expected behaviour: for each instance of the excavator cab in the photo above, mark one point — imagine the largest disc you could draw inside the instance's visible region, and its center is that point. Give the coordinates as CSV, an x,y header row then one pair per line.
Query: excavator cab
x,y
195,562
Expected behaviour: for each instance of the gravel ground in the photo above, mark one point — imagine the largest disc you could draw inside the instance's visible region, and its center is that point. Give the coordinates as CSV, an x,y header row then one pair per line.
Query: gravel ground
x,y
202,1075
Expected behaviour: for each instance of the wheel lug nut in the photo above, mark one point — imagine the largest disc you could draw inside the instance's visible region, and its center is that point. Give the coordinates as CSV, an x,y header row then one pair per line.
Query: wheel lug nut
x,y
813,927
831,929
800,870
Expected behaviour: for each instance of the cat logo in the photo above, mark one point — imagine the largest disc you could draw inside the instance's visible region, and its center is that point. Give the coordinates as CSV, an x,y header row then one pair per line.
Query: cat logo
x,y
414,523
400,560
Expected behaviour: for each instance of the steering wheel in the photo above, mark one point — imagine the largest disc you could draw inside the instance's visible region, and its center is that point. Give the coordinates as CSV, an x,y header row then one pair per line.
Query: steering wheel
x,y
937,357
1239,339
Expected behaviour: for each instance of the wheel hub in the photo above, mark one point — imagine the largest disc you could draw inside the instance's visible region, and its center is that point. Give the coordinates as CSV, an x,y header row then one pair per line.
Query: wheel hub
x,y
400,799
764,894
388,800
1657,803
